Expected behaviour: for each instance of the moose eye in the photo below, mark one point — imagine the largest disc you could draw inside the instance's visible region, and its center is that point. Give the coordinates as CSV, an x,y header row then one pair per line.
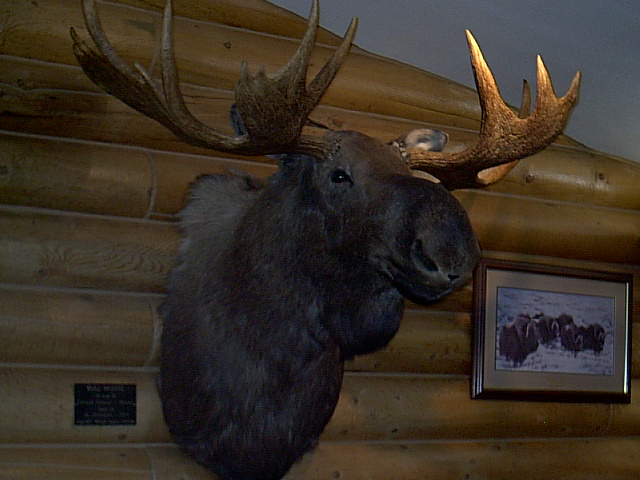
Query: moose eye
x,y
340,176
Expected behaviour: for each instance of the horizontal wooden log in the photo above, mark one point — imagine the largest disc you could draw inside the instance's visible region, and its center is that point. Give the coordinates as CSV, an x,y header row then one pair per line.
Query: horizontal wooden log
x,y
38,247
611,459
58,249
75,176
555,229
132,31
55,101
76,463
72,462
363,84
77,327
424,408
103,179
94,117
90,328
575,175
414,94
428,341
595,459
32,34
255,15
107,179
432,342
38,100
38,407
170,463
51,100
24,74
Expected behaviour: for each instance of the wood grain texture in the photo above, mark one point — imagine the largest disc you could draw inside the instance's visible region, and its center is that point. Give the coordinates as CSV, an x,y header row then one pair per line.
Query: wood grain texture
x,y
65,462
254,15
613,459
105,179
42,106
45,247
39,247
396,89
91,328
76,327
75,176
38,407
556,229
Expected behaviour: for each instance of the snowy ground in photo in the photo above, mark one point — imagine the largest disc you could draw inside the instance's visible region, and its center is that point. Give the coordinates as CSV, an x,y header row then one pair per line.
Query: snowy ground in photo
x,y
585,309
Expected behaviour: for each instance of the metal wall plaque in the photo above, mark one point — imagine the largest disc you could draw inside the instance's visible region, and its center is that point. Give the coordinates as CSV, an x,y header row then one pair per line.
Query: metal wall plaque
x,y
104,404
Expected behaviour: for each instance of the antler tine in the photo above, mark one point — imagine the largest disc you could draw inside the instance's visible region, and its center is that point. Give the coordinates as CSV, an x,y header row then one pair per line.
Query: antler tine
x,y
107,70
503,137
328,72
493,174
286,117
273,108
136,88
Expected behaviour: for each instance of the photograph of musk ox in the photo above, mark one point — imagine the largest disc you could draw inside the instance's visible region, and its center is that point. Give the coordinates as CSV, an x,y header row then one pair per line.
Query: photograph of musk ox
x,y
542,331
554,332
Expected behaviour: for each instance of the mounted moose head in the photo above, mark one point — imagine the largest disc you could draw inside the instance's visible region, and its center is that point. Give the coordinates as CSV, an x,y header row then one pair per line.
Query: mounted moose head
x,y
279,283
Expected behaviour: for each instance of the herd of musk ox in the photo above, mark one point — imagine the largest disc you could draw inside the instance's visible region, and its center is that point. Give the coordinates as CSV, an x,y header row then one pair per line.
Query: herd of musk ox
x,y
523,335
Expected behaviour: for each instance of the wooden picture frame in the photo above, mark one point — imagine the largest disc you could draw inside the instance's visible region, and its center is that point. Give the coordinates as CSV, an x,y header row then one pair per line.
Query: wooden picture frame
x,y
579,319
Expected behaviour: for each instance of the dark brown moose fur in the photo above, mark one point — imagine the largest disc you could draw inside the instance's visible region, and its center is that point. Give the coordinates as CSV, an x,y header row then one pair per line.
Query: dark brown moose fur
x,y
278,284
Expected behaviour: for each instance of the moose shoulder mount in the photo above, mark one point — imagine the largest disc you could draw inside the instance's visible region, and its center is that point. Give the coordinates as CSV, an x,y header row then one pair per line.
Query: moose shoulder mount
x,y
279,283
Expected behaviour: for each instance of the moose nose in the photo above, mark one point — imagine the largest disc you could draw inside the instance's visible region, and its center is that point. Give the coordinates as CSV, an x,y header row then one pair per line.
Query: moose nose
x,y
422,257
436,269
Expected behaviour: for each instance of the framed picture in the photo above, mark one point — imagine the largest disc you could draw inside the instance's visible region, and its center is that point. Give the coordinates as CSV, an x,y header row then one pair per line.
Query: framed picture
x,y
551,333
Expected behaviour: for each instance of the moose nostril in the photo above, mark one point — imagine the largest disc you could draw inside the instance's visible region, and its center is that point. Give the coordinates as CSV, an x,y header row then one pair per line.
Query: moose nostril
x,y
453,278
422,257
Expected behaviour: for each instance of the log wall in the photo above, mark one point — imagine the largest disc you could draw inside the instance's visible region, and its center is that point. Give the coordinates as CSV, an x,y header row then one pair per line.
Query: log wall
x,y
88,195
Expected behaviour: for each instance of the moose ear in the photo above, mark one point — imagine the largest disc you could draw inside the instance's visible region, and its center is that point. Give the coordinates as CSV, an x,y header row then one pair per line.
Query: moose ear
x,y
236,121
421,139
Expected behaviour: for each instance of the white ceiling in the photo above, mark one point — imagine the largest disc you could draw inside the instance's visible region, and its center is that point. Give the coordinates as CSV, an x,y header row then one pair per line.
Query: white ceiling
x,y
601,38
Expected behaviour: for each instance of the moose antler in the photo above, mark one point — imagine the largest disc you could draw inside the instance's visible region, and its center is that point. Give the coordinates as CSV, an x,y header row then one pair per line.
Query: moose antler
x,y
504,137
273,108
